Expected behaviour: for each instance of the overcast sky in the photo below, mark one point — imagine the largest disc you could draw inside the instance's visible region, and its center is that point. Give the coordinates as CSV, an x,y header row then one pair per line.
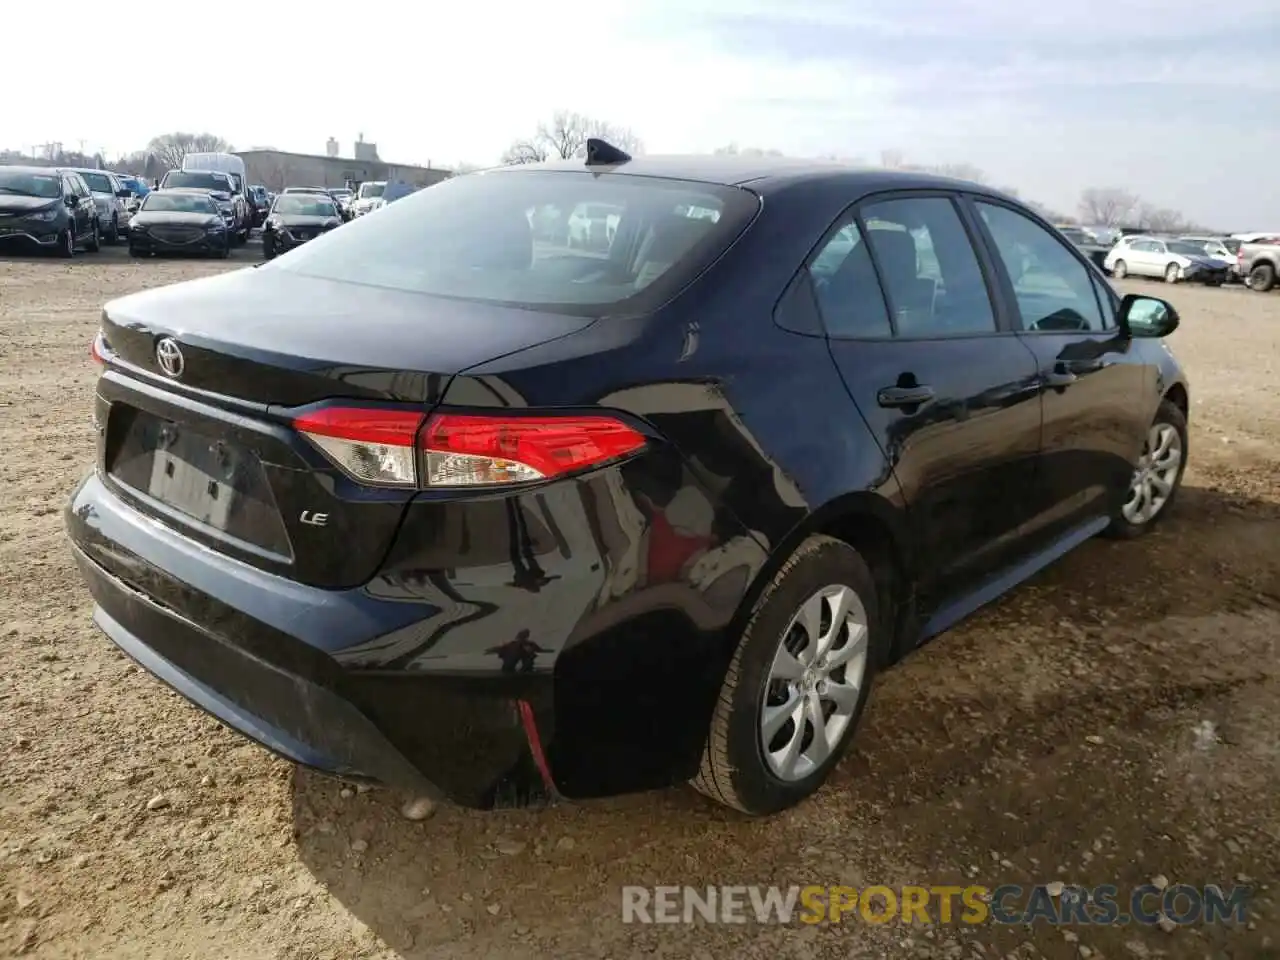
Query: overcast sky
x,y
1174,99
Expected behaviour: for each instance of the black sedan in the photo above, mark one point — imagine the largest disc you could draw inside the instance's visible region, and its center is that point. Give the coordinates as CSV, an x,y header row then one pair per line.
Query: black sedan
x,y
438,504
295,218
179,221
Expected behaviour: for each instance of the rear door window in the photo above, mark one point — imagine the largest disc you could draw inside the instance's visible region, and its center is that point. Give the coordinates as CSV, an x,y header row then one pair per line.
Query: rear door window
x,y
929,268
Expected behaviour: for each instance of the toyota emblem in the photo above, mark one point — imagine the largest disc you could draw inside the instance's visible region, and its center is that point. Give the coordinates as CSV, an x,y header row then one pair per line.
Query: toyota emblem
x,y
169,356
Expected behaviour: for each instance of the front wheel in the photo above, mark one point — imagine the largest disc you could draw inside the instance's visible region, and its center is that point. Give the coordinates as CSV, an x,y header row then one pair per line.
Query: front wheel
x,y
1262,277
67,244
113,232
1157,476
268,248
94,243
797,683
1120,270
1172,273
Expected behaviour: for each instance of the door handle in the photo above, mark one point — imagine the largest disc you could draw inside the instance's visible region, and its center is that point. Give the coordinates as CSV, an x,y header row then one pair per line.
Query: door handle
x,y
904,396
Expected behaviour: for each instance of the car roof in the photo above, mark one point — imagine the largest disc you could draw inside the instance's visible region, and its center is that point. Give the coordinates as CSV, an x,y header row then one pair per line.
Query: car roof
x,y
187,190
763,174
26,168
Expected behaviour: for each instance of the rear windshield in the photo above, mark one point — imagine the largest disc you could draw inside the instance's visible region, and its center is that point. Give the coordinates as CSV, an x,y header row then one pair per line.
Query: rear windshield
x,y
521,238
200,181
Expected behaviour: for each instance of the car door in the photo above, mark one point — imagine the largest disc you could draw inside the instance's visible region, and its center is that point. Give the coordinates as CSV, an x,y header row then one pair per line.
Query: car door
x,y
1091,379
82,212
948,391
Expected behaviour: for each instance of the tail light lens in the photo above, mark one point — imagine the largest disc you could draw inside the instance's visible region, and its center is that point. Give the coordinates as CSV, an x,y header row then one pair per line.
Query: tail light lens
x,y
374,446
96,349
394,448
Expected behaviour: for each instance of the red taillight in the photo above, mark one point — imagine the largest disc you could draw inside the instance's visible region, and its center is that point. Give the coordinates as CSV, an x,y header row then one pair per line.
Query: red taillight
x,y
463,450
95,349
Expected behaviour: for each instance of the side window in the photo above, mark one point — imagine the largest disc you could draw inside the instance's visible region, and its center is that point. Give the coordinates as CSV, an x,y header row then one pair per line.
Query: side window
x,y
931,274
845,286
1052,286
78,185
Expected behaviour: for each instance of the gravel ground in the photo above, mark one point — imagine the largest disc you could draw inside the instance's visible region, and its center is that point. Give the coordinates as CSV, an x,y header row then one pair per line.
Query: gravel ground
x,y
1113,720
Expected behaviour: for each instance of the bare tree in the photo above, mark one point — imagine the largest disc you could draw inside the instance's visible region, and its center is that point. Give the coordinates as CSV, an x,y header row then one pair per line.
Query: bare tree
x,y
1161,220
733,150
171,148
565,136
1107,206
525,151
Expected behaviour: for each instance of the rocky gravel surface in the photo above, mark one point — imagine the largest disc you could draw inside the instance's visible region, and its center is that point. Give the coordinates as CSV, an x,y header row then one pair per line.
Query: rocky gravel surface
x,y
1116,720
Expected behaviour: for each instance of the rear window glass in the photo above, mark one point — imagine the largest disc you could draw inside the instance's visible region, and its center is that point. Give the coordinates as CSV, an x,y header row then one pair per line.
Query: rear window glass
x,y
566,241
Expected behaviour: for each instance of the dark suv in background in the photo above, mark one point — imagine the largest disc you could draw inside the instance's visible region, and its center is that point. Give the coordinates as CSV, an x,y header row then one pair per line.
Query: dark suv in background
x,y
47,209
222,186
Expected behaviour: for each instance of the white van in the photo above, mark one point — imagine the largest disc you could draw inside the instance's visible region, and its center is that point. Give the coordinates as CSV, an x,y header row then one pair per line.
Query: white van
x,y
215,162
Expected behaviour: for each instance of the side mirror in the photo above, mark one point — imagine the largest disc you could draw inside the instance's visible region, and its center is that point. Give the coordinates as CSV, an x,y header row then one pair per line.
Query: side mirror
x,y
1147,317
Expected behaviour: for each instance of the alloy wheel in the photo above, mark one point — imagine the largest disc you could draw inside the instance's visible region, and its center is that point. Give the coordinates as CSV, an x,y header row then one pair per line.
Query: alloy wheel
x,y
1155,475
814,682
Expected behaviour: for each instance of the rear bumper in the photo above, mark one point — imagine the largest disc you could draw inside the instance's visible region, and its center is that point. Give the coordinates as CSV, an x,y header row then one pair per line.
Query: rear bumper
x,y
439,736
414,679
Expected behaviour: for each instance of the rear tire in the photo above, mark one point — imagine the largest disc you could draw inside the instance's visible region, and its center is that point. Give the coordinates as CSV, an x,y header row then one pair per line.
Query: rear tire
x,y
1120,270
740,768
1262,277
1172,273
268,248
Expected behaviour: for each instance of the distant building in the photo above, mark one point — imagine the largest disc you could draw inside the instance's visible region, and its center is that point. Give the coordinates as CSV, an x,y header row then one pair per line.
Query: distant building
x,y
366,151
277,169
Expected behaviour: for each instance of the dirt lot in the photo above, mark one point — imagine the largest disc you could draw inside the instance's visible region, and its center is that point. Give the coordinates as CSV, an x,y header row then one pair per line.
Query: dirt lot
x,y
1116,719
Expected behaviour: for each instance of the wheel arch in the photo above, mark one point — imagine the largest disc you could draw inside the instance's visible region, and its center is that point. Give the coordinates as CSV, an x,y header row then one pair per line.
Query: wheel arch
x,y
872,525
1178,396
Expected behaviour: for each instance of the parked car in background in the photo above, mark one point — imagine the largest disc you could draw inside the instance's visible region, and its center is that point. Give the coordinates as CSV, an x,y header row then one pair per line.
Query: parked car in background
x,y
109,195
368,197
417,504
296,218
1086,242
1160,257
179,221
1258,262
234,168
46,209
343,197
260,199
1220,248
235,209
